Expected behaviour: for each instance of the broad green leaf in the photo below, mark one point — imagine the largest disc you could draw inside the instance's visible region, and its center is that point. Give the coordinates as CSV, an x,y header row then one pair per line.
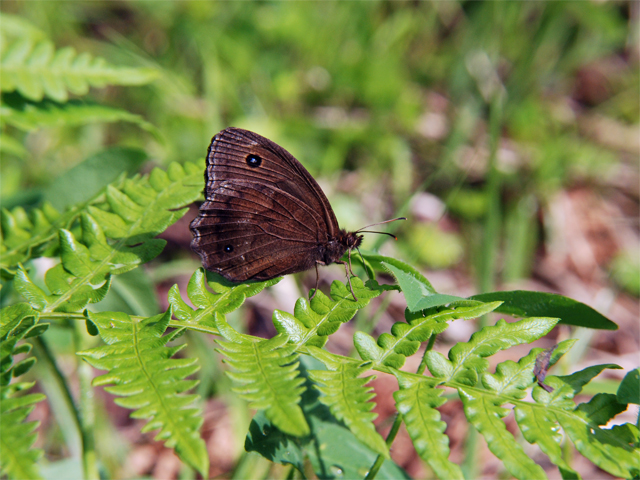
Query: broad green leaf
x,y
80,183
331,449
629,390
522,303
417,290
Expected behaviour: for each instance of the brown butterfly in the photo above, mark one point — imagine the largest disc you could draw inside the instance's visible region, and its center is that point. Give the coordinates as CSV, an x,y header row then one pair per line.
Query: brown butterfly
x,y
264,215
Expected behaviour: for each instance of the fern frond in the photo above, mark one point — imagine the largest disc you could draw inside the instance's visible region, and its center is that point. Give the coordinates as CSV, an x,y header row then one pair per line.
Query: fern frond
x,y
485,414
405,338
467,360
608,448
148,380
27,236
18,459
417,401
348,397
27,115
312,322
266,374
132,213
35,69
228,297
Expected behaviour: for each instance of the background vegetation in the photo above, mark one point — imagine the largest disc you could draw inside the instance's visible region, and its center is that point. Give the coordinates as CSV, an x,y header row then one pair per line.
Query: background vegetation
x,y
506,131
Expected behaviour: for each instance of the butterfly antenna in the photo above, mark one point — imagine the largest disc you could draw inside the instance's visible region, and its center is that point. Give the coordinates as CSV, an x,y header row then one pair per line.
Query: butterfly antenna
x,y
381,233
380,223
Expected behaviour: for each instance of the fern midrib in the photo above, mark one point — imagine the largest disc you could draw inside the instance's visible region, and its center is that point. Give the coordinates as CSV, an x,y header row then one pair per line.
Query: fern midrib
x,y
461,362
312,331
264,376
143,366
399,339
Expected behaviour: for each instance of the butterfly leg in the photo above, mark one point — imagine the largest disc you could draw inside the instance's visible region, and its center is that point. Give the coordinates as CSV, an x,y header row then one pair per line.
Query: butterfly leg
x,y
346,270
317,281
350,269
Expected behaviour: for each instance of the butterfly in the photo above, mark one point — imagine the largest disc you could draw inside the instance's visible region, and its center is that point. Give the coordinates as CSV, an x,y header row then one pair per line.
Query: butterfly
x,y
264,215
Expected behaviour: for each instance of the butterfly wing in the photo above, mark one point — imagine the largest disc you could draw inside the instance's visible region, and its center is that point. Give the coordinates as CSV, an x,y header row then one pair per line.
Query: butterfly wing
x,y
264,215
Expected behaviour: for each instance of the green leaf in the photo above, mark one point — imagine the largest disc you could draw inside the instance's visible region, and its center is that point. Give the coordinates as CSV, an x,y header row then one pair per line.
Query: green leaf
x,y
418,292
35,69
28,115
348,397
629,389
229,297
522,303
486,416
601,446
80,183
142,372
405,338
18,459
467,360
331,449
312,322
417,401
266,374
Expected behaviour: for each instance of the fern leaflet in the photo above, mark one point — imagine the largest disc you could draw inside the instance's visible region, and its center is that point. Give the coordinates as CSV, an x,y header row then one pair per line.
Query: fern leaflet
x,y
17,436
417,401
312,322
266,374
348,397
405,338
35,69
229,297
148,380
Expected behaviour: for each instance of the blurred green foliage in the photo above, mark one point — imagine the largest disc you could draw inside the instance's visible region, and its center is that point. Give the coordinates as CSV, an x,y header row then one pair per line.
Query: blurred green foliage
x,y
397,91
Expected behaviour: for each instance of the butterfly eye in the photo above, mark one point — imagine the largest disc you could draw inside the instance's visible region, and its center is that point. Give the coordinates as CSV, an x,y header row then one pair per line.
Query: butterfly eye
x,y
254,160
228,248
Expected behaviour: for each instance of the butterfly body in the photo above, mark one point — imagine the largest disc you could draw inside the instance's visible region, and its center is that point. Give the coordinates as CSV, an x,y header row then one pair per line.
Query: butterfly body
x,y
264,215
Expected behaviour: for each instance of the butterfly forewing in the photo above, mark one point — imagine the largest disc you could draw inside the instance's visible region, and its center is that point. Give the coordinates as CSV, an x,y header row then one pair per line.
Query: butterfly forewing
x,y
263,215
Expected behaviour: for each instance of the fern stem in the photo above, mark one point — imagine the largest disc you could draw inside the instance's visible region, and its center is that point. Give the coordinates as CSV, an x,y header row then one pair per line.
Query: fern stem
x,y
59,397
87,411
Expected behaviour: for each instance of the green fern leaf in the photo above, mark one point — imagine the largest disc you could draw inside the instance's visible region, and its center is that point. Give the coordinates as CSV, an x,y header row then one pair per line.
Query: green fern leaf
x,y
486,416
158,198
312,322
28,115
348,397
266,374
18,459
606,448
466,360
417,401
148,380
24,236
36,69
405,338
229,297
